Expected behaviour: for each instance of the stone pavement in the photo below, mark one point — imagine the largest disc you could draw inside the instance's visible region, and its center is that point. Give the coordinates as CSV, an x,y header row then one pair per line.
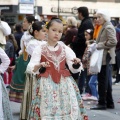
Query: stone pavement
x,y
109,114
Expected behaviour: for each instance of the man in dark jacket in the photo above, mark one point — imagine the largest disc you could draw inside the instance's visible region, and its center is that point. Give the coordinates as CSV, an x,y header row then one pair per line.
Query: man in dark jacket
x,y
18,34
86,23
80,43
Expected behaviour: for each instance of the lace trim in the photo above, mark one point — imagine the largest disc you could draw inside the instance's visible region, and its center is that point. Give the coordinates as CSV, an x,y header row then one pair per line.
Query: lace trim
x,y
56,57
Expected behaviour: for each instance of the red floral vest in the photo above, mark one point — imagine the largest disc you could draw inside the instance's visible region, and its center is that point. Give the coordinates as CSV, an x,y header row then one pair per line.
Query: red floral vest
x,y
57,62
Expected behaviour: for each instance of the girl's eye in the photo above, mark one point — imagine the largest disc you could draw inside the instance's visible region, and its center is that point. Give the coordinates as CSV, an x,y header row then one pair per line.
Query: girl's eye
x,y
60,31
54,30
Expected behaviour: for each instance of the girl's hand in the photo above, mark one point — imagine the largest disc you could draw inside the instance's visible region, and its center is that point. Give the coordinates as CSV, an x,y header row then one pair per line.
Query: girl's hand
x,y
43,64
76,61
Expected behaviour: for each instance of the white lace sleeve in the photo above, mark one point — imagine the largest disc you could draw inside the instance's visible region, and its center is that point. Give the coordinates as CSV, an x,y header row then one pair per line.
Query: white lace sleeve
x,y
5,61
5,28
70,55
35,60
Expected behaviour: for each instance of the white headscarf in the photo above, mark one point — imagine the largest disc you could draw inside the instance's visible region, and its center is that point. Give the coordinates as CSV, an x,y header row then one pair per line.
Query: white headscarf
x,y
105,14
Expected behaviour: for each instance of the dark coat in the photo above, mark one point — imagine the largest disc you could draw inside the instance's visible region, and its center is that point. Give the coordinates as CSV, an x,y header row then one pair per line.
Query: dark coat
x,y
18,36
70,34
80,43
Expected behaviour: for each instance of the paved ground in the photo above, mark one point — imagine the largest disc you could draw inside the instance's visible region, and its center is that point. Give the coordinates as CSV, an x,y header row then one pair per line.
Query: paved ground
x,y
108,114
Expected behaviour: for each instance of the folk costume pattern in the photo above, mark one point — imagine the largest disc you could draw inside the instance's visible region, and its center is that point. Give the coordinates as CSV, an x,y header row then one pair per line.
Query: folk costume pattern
x,y
31,81
19,76
56,93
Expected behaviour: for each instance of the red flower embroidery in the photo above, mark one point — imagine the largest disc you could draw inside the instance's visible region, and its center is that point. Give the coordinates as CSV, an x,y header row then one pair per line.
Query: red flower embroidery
x,y
85,117
37,110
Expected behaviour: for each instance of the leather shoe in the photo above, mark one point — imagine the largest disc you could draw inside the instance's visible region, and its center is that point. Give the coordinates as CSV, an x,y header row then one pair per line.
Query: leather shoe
x,y
98,107
111,106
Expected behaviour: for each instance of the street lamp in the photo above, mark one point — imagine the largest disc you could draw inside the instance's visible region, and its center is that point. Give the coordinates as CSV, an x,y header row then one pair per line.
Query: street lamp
x,y
58,7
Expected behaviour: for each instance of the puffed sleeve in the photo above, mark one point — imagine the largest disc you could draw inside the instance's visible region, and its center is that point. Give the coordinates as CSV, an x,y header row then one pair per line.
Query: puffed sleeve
x,y
5,28
35,60
5,61
70,55
32,45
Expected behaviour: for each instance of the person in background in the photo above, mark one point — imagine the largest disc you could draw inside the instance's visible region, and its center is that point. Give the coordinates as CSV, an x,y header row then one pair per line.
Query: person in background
x,y
5,110
18,35
70,35
91,80
79,44
10,49
106,41
71,31
97,27
56,94
19,76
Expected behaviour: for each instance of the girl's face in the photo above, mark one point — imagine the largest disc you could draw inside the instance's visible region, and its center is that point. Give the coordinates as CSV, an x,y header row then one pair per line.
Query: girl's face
x,y
41,34
55,32
100,19
87,36
25,24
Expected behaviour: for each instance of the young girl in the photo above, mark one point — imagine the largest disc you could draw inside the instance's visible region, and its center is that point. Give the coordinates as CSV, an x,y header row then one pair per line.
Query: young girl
x,y
5,111
38,31
56,93
91,80
18,80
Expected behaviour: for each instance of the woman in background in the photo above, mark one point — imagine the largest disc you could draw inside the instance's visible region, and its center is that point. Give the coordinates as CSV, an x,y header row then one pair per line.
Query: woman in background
x,y
19,76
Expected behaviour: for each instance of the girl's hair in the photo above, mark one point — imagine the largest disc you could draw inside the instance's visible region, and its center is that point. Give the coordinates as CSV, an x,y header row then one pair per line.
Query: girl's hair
x,y
90,32
36,26
52,21
30,19
12,38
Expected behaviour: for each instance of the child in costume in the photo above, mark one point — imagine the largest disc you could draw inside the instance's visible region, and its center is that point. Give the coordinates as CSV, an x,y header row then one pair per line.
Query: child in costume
x,y
56,94
38,31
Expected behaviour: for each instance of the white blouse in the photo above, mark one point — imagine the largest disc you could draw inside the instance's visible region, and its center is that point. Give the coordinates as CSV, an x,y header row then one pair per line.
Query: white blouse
x,y
33,44
5,61
36,57
26,38
4,31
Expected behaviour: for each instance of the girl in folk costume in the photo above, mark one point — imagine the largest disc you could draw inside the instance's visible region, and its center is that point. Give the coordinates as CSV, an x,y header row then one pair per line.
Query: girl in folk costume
x,y
38,31
19,76
56,95
5,111
10,48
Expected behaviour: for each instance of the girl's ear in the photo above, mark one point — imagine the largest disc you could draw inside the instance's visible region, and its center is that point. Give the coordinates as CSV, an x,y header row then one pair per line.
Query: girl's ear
x,y
35,33
46,30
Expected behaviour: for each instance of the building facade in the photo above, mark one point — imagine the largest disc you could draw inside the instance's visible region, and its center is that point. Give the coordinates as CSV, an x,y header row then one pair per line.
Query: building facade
x,y
15,10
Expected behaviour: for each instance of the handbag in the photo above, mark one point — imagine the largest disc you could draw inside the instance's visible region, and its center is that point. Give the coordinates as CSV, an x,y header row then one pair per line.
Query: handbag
x,y
96,61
